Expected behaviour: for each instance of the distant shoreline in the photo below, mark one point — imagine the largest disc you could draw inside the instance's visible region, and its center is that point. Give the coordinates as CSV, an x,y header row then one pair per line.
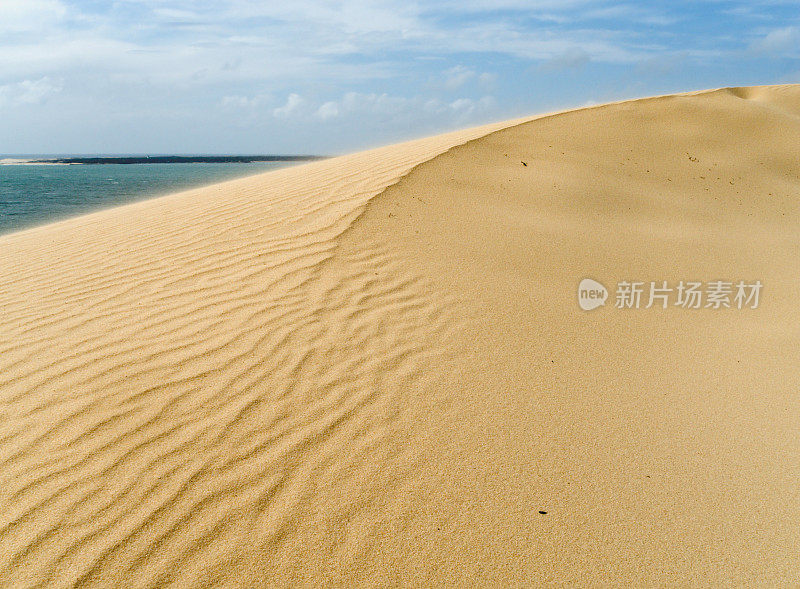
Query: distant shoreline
x,y
168,159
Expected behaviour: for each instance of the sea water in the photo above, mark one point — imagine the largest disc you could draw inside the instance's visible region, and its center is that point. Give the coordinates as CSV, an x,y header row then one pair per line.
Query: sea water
x,y
33,195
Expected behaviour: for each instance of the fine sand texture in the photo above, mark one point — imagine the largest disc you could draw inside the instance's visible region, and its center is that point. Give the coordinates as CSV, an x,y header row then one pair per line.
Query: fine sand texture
x,y
373,370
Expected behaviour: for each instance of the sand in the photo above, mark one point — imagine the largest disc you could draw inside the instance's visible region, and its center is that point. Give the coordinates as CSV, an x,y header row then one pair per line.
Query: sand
x,y
372,370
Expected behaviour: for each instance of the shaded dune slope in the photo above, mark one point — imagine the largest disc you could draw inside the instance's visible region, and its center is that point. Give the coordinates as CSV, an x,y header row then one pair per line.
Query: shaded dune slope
x,y
372,369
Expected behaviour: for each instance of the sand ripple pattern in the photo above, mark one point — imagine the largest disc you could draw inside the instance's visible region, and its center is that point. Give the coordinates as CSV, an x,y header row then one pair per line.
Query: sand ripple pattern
x,y
183,381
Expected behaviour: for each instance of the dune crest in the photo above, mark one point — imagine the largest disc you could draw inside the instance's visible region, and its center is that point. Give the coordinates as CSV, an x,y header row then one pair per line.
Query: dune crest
x,y
168,363
372,369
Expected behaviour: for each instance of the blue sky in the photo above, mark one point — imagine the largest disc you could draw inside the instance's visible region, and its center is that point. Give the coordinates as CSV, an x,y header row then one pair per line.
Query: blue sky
x,y
320,76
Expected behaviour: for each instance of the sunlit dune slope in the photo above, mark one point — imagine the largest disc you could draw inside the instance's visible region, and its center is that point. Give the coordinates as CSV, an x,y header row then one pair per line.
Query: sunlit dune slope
x,y
373,370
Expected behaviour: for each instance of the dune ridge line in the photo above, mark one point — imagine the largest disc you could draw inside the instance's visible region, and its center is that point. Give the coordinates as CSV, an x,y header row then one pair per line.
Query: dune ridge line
x,y
371,370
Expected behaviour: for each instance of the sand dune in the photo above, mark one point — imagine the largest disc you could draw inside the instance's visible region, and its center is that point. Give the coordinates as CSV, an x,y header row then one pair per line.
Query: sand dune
x,y
372,370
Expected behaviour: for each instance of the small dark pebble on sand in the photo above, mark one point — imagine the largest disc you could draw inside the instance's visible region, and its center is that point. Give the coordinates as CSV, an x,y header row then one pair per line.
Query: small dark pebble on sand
x,y
543,512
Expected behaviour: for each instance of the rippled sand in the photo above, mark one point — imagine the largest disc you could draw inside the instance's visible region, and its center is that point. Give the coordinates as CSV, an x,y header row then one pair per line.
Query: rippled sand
x,y
372,370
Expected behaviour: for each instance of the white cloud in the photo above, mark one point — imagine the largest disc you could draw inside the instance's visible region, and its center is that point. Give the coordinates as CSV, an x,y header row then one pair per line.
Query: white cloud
x,y
457,76
184,44
28,92
384,107
523,5
779,41
506,37
125,59
176,14
22,16
353,17
631,13
461,104
467,106
487,79
238,101
294,105
328,110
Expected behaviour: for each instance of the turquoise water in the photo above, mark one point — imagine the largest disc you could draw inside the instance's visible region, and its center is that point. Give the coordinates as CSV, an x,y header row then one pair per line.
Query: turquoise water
x,y
32,195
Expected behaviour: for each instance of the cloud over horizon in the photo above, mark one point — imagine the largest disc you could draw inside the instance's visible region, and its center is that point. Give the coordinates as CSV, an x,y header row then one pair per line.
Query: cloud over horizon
x,y
136,67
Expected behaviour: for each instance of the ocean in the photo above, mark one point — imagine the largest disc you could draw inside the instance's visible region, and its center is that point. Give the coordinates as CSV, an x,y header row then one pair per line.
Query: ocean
x,y
32,195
